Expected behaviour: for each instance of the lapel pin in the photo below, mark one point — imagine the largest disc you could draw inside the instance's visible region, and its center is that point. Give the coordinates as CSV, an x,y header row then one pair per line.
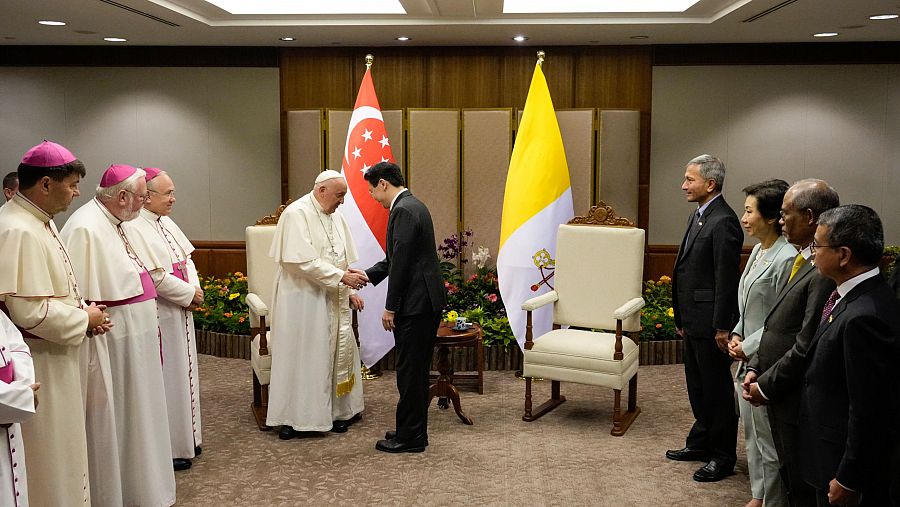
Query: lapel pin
x,y
830,318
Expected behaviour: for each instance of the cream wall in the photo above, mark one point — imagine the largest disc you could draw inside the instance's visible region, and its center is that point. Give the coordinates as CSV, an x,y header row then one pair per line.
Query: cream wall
x,y
840,123
216,130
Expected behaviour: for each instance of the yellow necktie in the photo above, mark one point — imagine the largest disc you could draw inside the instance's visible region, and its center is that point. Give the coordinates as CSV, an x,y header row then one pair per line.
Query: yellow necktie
x,y
799,261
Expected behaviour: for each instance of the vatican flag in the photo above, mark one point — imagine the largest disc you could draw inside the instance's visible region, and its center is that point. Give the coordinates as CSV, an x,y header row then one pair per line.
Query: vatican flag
x,y
538,199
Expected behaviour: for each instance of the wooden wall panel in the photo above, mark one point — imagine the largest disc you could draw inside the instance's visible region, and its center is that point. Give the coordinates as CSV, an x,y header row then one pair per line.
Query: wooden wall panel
x,y
455,80
397,76
317,79
618,164
434,166
305,150
486,147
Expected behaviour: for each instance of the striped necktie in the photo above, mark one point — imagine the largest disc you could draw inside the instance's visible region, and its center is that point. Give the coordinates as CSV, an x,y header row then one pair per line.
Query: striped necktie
x,y
799,261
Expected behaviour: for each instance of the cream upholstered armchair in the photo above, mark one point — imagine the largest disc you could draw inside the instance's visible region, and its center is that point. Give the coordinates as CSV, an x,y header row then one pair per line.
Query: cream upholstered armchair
x,y
260,284
597,285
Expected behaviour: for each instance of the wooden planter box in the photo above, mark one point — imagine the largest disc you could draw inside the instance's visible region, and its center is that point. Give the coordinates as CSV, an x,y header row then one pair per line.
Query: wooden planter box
x,y
235,346
662,352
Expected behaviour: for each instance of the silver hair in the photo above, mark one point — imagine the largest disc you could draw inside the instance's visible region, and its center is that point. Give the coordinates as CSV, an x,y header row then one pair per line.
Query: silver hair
x,y
711,168
858,228
129,184
150,184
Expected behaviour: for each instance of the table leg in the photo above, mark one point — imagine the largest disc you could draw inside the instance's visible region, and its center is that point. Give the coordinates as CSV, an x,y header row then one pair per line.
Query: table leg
x,y
444,388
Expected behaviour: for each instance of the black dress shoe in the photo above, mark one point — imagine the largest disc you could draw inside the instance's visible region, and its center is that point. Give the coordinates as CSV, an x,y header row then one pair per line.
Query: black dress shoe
x,y
339,426
714,471
198,451
180,464
286,433
394,446
687,454
391,435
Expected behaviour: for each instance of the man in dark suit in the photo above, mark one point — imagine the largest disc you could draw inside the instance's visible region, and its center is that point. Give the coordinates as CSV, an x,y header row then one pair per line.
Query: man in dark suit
x,y
704,298
776,372
849,404
415,299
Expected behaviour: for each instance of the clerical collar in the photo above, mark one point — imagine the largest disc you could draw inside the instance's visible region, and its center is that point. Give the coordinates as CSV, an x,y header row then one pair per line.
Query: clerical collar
x,y
31,207
153,217
397,197
112,218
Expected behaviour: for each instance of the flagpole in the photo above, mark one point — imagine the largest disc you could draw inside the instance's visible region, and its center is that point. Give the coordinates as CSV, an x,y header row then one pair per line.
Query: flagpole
x,y
364,371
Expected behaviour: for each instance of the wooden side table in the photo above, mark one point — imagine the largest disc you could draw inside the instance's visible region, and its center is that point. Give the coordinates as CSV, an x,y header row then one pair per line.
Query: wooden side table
x,y
443,388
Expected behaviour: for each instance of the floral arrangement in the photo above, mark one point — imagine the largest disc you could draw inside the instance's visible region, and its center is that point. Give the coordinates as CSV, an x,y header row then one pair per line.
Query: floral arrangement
x,y
657,316
224,308
477,296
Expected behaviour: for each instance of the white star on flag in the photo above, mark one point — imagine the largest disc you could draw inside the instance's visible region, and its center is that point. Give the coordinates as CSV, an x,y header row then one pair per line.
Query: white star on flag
x,y
357,152
366,167
367,135
384,142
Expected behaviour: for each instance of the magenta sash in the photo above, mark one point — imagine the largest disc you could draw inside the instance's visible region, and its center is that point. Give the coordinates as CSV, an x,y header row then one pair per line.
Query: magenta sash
x,y
149,293
8,372
180,271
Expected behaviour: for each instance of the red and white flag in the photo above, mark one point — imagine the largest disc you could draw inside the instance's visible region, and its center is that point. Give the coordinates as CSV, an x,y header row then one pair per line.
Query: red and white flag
x,y
367,144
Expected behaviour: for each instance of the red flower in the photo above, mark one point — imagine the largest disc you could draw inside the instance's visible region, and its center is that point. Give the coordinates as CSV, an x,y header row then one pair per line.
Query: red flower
x,y
473,278
491,297
659,326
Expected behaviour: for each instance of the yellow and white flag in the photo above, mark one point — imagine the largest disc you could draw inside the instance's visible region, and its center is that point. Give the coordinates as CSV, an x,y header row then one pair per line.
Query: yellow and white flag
x,y
538,198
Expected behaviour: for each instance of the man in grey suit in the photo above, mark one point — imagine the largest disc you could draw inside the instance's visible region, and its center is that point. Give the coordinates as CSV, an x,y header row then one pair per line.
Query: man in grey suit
x,y
704,298
776,372
415,299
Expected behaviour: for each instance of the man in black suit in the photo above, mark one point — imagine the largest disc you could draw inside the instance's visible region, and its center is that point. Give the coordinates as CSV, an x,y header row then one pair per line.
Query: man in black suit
x,y
849,404
704,297
415,299
776,372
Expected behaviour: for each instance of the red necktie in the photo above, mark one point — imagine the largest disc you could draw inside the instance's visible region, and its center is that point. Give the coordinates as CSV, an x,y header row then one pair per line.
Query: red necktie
x,y
829,305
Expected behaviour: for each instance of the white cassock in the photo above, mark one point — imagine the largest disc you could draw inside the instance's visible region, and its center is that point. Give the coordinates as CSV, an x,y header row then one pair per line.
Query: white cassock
x,y
41,296
315,359
16,405
175,292
127,424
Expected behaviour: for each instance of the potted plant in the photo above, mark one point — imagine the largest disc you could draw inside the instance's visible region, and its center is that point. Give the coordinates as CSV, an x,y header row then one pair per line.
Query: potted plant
x,y
222,322
659,343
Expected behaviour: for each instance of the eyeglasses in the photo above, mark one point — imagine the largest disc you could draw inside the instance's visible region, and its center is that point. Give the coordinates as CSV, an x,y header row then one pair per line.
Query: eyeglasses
x,y
170,193
142,197
813,246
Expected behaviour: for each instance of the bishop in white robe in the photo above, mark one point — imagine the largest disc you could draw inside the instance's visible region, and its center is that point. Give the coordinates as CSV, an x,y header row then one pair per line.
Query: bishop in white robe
x,y
16,405
316,384
128,432
178,293
41,296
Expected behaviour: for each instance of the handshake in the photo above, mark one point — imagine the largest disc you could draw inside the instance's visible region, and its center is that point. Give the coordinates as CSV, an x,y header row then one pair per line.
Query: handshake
x,y
355,278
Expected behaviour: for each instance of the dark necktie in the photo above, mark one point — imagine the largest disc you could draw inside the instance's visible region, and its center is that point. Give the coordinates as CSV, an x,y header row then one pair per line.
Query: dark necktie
x,y
829,305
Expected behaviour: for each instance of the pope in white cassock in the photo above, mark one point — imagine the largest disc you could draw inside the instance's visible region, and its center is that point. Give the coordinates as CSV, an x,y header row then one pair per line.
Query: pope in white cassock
x,y
41,295
179,293
128,432
17,399
315,383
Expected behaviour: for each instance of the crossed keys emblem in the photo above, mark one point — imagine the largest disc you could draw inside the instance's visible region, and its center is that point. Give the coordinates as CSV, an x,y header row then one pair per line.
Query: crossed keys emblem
x,y
546,265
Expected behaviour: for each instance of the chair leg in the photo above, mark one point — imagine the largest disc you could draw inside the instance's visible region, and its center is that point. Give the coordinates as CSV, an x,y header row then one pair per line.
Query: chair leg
x,y
621,422
260,405
555,400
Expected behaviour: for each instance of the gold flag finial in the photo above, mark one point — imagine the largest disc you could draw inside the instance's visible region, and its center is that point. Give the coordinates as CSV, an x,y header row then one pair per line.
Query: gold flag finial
x,y
540,55
369,60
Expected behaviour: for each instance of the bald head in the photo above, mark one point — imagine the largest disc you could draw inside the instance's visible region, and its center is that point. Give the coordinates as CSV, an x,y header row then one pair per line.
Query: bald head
x,y
802,205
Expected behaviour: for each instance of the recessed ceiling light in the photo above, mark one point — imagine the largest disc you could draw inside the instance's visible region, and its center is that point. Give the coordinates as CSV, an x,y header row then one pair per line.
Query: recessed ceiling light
x,y
639,37
286,39
403,38
884,16
51,23
520,38
825,34
115,39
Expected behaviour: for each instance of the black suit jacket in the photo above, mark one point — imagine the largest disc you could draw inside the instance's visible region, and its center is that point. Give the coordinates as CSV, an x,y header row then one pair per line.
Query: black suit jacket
x,y
415,285
849,407
788,333
707,271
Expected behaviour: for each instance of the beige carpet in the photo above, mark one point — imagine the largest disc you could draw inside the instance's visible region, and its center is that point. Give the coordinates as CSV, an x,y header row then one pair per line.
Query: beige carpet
x,y
567,458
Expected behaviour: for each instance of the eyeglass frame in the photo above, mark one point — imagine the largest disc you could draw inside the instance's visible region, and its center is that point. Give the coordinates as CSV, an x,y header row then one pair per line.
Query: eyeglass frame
x,y
813,246
142,197
170,193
